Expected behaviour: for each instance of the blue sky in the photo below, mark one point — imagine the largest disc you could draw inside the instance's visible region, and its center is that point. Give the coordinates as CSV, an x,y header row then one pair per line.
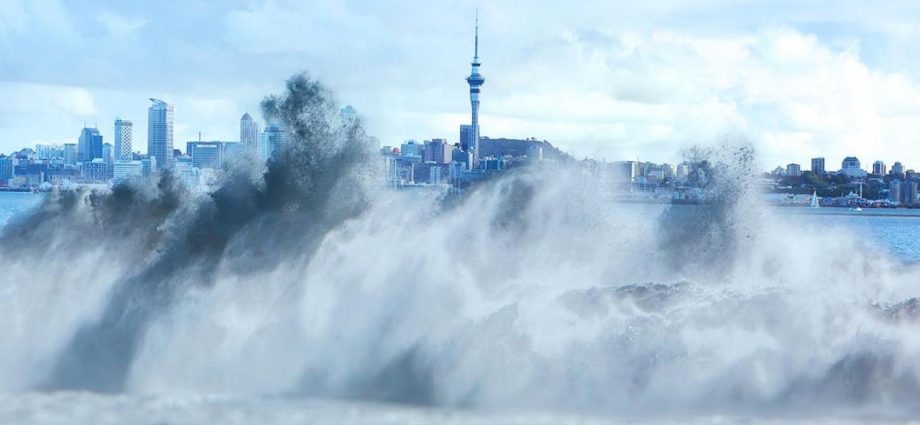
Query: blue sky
x,y
614,80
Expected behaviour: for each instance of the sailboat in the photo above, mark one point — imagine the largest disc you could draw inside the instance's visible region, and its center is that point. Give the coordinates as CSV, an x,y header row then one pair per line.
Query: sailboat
x,y
814,200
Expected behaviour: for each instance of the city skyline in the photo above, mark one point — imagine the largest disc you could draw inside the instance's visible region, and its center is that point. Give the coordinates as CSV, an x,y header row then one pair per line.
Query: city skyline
x,y
798,81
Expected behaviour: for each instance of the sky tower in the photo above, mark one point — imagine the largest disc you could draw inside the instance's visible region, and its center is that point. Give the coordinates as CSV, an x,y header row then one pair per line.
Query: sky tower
x,y
475,80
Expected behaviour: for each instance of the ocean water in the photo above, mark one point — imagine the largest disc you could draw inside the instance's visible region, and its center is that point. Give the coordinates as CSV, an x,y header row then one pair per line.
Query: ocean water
x,y
12,203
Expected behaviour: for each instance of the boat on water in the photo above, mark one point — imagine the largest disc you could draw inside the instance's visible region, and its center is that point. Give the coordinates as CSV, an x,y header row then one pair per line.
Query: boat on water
x,y
857,207
814,200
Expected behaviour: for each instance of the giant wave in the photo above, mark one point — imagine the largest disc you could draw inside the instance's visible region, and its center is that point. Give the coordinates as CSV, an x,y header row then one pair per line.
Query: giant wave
x,y
307,278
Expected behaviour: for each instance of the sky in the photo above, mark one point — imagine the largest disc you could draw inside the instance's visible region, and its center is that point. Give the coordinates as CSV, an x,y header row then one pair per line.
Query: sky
x,y
608,80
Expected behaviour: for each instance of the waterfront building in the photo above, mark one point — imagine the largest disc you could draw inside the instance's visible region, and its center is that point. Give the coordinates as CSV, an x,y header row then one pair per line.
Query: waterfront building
x,y
249,134
205,154
437,151
148,166
625,171
909,193
124,133
894,191
434,174
90,145
95,171
817,166
49,152
897,168
160,119
127,170
411,151
851,167
793,170
466,137
270,141
879,168
475,80
107,153
7,170
70,153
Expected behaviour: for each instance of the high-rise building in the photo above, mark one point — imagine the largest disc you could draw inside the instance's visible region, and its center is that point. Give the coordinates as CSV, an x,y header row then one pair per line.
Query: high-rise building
x,y
205,154
127,170
475,80
70,153
466,137
108,154
897,168
793,170
270,141
894,191
817,166
411,151
90,145
160,117
249,134
7,170
47,152
124,132
148,166
879,168
437,151
850,166
909,193
95,171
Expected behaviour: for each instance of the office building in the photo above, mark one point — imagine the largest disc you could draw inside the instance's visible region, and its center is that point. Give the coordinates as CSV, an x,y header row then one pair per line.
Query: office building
x,y
127,170
793,170
90,145
437,151
108,153
160,118
851,167
249,134
817,166
205,154
124,133
95,171
270,141
879,168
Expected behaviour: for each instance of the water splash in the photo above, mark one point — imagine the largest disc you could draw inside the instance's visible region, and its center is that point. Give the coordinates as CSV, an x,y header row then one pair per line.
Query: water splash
x,y
534,289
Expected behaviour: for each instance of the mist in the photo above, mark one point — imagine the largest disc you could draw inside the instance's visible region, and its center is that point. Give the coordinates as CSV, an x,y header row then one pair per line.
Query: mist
x,y
308,278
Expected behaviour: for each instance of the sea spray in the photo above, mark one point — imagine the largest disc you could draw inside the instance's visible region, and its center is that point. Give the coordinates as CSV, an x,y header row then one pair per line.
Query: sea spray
x,y
533,289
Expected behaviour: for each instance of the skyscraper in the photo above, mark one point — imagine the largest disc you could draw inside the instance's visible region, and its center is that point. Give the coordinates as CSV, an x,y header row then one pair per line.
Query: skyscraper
x,y
817,166
90,145
70,153
466,137
475,80
249,134
879,168
108,153
124,130
160,118
270,141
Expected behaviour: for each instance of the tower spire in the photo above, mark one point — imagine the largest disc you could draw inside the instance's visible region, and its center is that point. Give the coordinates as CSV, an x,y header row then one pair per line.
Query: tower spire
x,y
475,80
476,43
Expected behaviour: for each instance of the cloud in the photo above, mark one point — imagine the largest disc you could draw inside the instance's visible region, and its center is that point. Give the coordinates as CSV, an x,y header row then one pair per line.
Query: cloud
x,y
121,27
605,79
